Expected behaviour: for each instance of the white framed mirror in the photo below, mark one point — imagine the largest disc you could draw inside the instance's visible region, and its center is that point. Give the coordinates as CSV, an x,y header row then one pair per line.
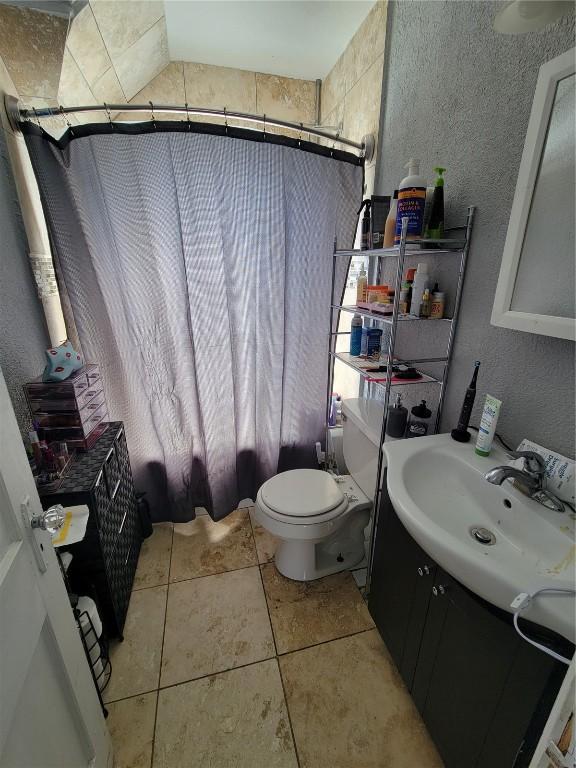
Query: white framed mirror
x,y
536,285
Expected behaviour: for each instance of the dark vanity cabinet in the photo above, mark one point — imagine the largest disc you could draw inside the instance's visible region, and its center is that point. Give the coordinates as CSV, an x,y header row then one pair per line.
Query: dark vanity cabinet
x,y
483,692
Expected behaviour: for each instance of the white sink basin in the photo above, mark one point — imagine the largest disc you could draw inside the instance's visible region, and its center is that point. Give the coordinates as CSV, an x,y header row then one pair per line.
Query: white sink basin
x,y
438,490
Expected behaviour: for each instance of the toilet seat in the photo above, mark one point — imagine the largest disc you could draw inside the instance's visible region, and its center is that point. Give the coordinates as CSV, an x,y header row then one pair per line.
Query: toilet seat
x,y
303,497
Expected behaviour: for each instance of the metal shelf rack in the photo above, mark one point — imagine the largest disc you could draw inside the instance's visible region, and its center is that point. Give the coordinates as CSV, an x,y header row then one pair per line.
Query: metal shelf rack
x,y
450,247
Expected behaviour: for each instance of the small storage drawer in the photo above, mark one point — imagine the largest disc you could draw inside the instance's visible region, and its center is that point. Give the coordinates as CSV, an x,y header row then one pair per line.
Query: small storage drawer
x,y
122,450
120,516
82,379
73,418
112,470
65,404
77,432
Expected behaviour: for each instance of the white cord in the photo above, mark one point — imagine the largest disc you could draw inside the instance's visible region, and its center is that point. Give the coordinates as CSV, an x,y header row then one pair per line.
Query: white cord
x,y
521,602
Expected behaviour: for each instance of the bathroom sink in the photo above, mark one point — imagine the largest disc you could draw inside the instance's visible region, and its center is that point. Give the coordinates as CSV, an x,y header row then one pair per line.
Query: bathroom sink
x,y
438,490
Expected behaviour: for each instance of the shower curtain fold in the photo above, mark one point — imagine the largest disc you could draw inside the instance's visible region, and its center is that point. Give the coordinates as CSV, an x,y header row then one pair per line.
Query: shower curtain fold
x,y
197,268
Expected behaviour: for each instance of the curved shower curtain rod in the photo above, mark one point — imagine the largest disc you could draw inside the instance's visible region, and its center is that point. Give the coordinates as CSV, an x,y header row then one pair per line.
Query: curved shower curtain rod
x,y
18,114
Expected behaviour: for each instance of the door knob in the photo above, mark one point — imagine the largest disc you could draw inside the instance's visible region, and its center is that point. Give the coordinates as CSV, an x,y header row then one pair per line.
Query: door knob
x,y
438,590
51,519
424,571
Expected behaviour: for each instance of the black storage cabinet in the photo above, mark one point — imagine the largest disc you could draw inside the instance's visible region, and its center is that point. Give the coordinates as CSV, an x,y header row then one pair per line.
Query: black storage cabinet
x,y
104,562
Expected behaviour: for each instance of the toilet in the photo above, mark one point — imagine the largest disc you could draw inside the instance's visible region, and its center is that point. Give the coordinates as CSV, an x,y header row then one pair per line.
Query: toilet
x,y
318,517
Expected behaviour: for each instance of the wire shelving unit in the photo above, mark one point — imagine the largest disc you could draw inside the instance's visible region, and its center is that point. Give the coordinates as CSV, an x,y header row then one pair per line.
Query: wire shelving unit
x,y
449,248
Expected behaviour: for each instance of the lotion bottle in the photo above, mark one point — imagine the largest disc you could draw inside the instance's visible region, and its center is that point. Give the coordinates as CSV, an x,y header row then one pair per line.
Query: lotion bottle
x,y
411,202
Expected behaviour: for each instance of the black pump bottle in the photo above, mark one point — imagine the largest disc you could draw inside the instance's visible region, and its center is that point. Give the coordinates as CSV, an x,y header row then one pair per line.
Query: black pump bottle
x,y
366,226
461,434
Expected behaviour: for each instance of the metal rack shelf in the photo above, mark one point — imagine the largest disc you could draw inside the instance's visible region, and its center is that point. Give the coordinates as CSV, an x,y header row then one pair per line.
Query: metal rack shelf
x,y
362,366
411,248
407,249
387,318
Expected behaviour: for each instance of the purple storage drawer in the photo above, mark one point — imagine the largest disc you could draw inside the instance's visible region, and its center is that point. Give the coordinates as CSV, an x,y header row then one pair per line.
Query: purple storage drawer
x,y
80,431
50,419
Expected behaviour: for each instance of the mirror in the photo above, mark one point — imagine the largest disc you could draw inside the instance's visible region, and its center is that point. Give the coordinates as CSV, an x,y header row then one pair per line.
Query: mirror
x,y
535,289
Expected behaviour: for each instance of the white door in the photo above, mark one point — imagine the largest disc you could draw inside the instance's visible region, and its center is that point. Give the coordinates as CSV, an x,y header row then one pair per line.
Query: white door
x,y
50,716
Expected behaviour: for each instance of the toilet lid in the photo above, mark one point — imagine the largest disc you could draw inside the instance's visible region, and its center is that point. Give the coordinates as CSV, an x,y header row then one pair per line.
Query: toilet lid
x,y
302,493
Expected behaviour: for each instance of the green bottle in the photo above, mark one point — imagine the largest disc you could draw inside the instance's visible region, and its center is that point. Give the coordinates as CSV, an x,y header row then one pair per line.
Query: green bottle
x,y
435,226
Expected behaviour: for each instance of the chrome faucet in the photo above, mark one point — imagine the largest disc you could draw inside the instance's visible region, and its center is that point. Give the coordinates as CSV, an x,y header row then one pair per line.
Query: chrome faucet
x,y
532,478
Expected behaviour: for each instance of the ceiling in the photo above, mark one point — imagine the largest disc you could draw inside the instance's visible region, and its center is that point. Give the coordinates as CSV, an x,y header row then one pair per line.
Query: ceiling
x,y
294,38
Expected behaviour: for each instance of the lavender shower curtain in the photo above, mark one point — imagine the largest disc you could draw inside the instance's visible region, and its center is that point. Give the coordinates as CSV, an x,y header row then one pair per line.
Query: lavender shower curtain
x,y
197,268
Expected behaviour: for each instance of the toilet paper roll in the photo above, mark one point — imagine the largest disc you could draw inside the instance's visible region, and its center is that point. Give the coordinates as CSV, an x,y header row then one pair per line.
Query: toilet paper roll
x,y
87,606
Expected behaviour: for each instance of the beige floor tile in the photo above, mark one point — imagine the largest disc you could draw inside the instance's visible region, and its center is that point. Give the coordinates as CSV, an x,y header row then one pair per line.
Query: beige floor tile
x,y
131,724
265,542
350,709
154,560
203,547
237,719
136,661
215,623
305,613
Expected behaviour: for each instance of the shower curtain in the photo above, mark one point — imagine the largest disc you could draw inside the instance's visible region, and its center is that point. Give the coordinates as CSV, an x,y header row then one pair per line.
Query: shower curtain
x,y
197,268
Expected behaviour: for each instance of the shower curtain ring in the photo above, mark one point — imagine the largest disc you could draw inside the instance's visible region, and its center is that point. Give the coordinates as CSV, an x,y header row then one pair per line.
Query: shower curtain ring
x,y
188,116
300,134
68,123
264,121
225,121
334,142
153,117
107,108
37,118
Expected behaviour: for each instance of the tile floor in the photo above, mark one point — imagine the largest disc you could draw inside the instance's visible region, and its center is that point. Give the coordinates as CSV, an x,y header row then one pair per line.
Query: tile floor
x,y
227,664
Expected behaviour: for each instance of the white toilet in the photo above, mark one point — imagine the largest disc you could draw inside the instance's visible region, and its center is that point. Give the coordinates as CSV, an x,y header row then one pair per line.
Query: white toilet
x,y
319,518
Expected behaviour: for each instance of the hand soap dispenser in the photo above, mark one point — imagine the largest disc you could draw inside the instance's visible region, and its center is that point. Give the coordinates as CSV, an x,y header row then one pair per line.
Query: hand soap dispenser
x,y
397,417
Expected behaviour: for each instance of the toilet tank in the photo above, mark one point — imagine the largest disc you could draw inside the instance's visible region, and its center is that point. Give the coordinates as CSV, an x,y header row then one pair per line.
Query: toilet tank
x,y
362,425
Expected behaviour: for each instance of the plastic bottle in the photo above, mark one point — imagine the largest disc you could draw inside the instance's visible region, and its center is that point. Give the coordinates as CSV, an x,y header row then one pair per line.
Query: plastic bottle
x,y
435,226
366,226
411,202
356,336
397,417
390,226
418,287
437,305
361,284
425,304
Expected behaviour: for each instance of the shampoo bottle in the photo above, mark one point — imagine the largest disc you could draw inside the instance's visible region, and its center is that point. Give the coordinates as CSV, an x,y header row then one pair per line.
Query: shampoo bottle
x,y
435,227
390,226
411,202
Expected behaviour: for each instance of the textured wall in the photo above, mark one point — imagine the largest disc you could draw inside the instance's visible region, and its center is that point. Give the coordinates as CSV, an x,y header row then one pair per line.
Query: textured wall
x,y
23,335
458,94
